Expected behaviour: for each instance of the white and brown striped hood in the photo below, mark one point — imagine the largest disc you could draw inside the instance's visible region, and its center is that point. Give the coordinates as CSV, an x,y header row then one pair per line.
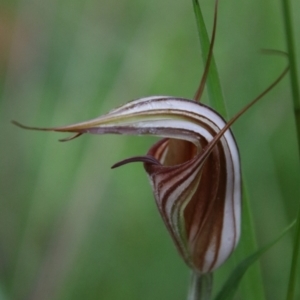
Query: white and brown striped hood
x,y
194,172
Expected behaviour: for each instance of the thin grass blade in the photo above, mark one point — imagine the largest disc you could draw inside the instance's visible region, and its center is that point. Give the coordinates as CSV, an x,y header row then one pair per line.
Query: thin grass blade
x,y
253,278
213,82
231,285
294,271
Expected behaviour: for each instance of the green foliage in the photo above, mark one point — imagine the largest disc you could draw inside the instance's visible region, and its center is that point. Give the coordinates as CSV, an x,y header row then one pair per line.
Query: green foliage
x,y
252,284
288,22
231,285
71,228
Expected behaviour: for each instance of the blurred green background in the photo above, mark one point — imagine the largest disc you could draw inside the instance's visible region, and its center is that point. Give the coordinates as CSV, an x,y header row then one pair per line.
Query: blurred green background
x,y
72,228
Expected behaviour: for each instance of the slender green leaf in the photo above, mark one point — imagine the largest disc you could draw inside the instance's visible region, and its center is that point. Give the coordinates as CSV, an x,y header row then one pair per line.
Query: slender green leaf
x,y
296,100
2,294
232,283
213,81
252,286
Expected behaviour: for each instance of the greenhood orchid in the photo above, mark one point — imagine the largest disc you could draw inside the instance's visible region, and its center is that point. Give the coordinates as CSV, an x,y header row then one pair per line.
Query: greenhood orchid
x,y
194,170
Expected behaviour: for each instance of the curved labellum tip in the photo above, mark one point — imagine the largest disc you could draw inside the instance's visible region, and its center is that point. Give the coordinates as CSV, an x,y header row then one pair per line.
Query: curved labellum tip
x,y
145,159
72,137
194,172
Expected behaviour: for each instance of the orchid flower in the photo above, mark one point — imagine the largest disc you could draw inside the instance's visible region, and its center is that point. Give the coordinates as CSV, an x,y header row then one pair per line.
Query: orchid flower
x,y
194,170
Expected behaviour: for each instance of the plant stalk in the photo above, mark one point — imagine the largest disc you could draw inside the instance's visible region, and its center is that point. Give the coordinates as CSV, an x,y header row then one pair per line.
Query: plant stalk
x,y
251,285
200,286
296,101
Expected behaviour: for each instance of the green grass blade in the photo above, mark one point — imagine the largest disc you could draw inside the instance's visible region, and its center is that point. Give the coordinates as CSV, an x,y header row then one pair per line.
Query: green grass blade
x,y
213,81
231,285
291,54
295,259
251,287
294,271
2,294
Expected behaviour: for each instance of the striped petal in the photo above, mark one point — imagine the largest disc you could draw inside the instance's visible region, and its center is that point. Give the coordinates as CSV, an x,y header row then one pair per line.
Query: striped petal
x,y
194,172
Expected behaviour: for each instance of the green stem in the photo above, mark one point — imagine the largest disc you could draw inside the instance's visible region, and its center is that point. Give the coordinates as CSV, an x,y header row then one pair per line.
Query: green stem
x,y
251,286
293,65
291,54
200,286
213,81
296,100
294,263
